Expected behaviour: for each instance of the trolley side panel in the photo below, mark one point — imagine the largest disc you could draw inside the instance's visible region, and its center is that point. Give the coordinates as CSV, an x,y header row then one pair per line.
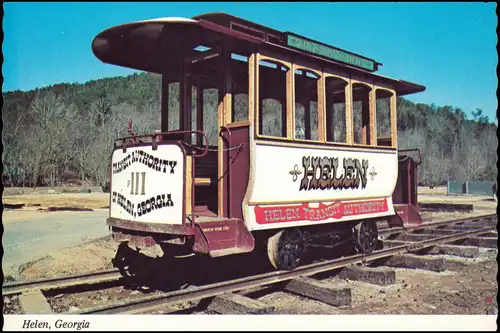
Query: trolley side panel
x,y
295,186
148,185
289,174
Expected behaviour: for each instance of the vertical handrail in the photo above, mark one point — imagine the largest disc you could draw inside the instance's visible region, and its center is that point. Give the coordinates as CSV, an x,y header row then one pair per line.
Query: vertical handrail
x,y
192,175
131,132
222,129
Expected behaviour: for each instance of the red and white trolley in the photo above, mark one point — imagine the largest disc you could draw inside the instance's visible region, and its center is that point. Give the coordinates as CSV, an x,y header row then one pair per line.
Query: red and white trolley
x,y
268,140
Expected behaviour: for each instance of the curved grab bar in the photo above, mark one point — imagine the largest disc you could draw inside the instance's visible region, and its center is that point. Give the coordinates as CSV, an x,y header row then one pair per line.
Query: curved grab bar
x,y
205,151
162,134
225,129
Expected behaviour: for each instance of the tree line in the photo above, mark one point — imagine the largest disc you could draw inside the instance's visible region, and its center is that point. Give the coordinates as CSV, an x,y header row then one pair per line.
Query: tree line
x,y
54,135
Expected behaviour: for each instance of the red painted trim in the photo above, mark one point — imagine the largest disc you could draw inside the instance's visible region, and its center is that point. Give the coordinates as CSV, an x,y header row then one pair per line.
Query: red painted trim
x,y
162,141
336,210
233,33
164,228
237,164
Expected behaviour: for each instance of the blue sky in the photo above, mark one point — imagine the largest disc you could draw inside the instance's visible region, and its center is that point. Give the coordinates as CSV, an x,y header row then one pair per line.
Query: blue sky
x,y
448,47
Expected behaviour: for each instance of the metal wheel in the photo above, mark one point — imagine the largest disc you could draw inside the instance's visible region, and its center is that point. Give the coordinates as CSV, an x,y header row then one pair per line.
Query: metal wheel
x,y
122,261
366,238
286,249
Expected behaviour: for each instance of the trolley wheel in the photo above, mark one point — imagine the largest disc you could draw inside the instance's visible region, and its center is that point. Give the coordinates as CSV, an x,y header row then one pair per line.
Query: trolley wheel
x,y
122,260
366,236
286,249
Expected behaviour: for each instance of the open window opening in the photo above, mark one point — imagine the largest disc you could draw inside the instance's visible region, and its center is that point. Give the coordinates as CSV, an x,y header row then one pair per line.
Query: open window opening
x,y
205,98
204,114
202,48
272,99
361,113
205,80
306,105
383,117
239,81
211,100
171,105
336,130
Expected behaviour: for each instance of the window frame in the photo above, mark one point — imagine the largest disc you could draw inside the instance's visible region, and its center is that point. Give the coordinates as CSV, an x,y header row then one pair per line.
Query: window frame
x,y
288,107
322,73
250,59
392,115
320,94
372,137
348,110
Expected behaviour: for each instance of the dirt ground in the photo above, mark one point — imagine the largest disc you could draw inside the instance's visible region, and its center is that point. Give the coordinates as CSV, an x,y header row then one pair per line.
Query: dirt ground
x,y
89,257
34,202
468,288
92,256
10,191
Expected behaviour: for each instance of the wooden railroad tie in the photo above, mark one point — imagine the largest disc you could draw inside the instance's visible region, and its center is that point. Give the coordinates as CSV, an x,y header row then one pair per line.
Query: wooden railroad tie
x,y
321,291
34,302
379,276
231,303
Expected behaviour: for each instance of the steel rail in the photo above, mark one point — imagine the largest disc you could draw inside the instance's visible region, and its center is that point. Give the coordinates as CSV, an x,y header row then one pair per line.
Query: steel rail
x,y
388,231
197,293
60,282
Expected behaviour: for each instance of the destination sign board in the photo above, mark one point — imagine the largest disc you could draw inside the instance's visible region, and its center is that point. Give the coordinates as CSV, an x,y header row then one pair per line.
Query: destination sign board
x,y
330,52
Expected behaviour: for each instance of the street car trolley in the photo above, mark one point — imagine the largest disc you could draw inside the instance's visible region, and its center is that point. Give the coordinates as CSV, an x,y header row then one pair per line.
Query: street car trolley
x,y
269,141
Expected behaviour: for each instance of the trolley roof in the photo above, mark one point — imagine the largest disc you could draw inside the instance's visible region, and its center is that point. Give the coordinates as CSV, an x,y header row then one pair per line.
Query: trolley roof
x,y
151,45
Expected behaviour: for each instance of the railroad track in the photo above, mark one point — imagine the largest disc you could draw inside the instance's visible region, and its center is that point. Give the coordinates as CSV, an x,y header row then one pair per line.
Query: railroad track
x,y
475,219
151,303
60,282
474,226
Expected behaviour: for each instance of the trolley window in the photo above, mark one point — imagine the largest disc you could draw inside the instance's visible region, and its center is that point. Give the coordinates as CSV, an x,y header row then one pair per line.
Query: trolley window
x,y
306,105
173,108
335,90
383,117
361,113
239,81
272,99
205,98
211,99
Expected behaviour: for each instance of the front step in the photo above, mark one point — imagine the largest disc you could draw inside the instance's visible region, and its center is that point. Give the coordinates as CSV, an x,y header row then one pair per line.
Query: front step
x,y
218,236
406,215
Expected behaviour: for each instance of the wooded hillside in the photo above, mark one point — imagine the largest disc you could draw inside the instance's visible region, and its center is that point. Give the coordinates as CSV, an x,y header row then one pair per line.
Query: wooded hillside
x,y
65,132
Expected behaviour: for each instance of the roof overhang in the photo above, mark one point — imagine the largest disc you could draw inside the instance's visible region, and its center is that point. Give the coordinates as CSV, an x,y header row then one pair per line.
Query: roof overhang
x,y
151,45
148,45
406,88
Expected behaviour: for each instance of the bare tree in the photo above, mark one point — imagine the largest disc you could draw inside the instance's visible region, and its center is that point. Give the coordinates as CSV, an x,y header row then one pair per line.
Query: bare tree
x,y
49,111
96,153
31,155
12,139
412,138
435,166
475,161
